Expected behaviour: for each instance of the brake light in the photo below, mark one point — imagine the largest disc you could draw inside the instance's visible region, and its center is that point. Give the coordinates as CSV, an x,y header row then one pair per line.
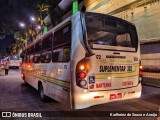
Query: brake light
x,y
140,72
82,75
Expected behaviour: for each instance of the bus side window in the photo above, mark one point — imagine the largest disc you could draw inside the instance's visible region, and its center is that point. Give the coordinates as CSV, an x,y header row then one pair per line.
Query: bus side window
x,y
38,47
55,56
62,36
36,59
27,59
66,54
46,57
47,42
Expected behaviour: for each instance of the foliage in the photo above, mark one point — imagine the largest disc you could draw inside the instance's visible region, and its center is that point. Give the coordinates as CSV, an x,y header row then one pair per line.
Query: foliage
x,y
14,11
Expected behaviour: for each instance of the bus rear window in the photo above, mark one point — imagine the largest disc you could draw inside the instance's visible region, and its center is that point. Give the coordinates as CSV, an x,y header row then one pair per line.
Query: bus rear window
x,y
108,31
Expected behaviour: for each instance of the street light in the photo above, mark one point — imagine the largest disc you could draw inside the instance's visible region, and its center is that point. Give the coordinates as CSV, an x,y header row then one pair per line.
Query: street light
x,y
22,25
32,18
38,26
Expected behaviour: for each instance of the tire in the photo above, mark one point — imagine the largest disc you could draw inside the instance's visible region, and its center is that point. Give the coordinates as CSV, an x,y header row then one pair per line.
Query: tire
x,y
24,80
43,97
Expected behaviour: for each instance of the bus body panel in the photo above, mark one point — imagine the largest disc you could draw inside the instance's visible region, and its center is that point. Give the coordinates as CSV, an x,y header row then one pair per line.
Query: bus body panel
x,y
88,99
107,86
109,71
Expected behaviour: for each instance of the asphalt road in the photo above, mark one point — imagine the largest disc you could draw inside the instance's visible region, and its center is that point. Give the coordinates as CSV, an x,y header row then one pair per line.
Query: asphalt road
x,y
16,96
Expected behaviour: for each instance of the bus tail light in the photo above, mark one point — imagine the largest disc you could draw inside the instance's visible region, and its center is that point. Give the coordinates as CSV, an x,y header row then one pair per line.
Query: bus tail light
x,y
81,73
140,72
82,67
29,66
140,69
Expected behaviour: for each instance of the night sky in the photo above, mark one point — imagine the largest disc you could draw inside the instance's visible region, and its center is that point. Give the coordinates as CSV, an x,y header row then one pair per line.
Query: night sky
x,y
11,13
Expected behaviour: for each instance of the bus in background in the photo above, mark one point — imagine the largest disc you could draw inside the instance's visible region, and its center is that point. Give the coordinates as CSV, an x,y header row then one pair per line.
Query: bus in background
x,y
14,61
88,59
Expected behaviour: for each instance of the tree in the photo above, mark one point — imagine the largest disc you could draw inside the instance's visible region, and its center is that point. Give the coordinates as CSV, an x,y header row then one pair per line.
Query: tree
x,y
39,7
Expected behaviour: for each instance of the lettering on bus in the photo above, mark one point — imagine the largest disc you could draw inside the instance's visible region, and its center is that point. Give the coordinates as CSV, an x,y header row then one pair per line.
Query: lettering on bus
x,y
98,56
103,85
127,83
115,68
112,68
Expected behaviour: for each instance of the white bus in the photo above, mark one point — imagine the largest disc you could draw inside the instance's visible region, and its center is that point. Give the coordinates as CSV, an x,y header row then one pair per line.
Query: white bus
x,y
88,59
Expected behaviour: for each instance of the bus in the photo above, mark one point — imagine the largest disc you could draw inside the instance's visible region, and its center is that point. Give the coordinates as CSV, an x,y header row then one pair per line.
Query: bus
x,y
88,59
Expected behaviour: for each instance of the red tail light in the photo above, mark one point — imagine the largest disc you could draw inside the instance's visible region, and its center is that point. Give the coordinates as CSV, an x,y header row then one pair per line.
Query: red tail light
x,y
140,72
82,75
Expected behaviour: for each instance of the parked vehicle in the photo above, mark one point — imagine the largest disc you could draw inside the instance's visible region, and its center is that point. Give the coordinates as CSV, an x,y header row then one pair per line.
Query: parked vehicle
x,y
14,61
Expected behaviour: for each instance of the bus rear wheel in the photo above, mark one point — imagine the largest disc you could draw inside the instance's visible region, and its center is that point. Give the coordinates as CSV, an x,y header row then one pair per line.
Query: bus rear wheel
x,y
43,97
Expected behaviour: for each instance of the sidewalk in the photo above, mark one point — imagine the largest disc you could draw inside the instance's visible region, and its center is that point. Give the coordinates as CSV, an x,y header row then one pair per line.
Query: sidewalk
x,y
150,78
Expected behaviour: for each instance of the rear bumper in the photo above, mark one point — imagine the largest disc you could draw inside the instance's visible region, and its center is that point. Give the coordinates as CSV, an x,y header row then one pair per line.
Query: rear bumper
x,y
13,66
87,99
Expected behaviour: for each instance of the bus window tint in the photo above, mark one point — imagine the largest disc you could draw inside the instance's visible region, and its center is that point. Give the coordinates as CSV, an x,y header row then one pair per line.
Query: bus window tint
x,y
38,47
62,36
36,59
55,56
30,50
103,31
27,59
47,42
62,44
46,57
66,54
